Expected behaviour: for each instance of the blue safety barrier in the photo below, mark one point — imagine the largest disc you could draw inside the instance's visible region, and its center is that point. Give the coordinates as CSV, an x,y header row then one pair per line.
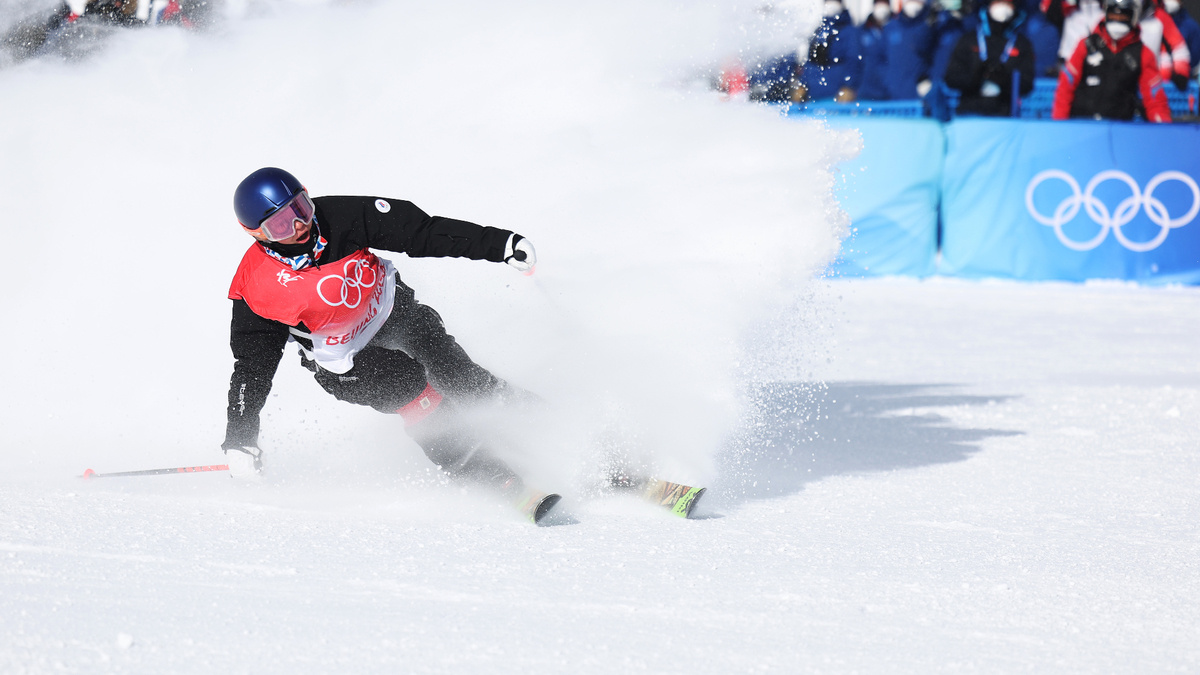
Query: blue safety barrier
x,y
1024,199
1071,200
891,193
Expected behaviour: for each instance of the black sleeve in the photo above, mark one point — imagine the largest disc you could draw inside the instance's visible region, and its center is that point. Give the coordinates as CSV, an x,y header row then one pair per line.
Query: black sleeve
x,y
965,71
397,225
257,345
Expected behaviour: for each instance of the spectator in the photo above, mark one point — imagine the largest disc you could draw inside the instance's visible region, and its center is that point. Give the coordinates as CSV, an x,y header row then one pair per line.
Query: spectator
x,y
1080,18
1188,28
834,66
874,53
59,29
1158,33
984,61
1162,37
909,40
1045,38
948,26
1109,68
775,80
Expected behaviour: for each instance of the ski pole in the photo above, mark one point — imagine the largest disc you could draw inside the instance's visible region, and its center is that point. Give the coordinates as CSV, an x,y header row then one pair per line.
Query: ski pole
x,y
154,472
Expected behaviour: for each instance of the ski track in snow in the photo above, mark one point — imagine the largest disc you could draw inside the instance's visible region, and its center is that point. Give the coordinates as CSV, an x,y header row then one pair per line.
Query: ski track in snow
x,y
939,476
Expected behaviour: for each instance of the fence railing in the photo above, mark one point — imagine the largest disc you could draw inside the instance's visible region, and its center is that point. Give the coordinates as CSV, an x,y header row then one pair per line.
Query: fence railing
x,y
1037,105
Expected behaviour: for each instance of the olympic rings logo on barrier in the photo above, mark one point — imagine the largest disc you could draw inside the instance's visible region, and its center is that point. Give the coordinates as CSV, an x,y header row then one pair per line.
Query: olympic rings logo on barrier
x,y
1125,212
356,268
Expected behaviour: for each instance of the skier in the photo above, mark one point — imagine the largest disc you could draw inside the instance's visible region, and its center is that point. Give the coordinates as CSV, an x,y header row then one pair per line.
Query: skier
x,y
310,278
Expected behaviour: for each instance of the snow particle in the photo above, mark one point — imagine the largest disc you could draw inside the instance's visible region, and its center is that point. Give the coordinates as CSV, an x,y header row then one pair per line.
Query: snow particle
x,y
124,640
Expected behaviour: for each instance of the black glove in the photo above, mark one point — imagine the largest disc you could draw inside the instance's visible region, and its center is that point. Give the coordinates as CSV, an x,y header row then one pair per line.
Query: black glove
x,y
1181,81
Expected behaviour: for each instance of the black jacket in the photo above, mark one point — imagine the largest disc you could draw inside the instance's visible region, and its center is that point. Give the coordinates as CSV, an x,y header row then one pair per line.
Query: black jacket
x,y
967,70
349,224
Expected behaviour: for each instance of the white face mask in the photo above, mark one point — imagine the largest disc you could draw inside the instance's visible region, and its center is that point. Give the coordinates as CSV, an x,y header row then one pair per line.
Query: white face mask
x,y
832,8
912,8
1116,29
1000,12
1171,6
881,12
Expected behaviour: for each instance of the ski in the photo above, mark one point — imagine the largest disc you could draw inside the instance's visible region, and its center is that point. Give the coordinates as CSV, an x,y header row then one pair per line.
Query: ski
x,y
535,505
680,499
156,472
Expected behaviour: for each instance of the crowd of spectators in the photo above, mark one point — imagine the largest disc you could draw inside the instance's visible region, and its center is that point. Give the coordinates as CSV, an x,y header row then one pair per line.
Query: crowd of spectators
x,y
72,25
1112,58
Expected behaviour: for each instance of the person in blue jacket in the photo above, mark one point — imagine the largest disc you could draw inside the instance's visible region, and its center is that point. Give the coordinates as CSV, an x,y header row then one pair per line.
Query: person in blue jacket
x,y
909,40
985,60
948,26
775,79
1045,38
1187,27
873,85
834,66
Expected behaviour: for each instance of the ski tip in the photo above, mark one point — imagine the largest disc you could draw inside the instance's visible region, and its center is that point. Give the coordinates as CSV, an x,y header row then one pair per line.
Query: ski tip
x,y
683,508
544,507
88,473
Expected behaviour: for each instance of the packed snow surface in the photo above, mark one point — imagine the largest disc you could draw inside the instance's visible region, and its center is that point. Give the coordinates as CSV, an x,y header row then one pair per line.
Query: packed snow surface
x,y
904,476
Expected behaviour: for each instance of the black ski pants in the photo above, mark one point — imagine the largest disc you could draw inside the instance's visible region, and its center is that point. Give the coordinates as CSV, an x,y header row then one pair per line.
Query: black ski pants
x,y
412,348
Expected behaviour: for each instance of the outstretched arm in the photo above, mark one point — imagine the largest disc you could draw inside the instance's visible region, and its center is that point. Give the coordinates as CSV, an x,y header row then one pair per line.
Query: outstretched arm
x,y
398,225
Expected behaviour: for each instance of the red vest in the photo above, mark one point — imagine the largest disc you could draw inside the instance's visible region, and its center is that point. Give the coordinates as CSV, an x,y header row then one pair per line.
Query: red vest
x,y
343,303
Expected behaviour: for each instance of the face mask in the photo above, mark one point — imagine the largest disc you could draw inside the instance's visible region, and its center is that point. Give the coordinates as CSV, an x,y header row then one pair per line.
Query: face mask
x,y
951,5
1116,29
912,8
832,8
1000,12
881,12
1171,6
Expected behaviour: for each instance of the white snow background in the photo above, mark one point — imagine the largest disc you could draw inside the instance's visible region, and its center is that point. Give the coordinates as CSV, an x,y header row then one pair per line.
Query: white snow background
x,y
994,478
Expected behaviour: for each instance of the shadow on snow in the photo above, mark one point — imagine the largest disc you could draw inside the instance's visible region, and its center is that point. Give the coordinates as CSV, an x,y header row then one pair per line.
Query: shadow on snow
x,y
803,432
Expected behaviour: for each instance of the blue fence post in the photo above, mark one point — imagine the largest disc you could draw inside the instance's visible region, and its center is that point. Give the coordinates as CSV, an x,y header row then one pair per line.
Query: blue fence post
x,y
1015,110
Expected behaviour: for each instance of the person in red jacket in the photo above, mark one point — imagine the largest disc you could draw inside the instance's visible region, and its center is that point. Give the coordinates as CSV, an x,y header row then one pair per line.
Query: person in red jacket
x,y
310,278
1109,70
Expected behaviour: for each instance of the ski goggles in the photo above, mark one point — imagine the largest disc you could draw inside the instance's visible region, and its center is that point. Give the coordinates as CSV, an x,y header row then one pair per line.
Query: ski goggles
x,y
281,224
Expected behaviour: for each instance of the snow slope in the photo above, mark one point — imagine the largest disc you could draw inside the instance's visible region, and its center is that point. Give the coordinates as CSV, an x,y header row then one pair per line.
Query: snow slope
x,y
989,478
1003,479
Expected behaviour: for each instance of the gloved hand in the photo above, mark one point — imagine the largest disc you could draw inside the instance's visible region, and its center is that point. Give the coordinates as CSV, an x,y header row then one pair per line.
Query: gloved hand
x,y
518,252
1180,81
245,463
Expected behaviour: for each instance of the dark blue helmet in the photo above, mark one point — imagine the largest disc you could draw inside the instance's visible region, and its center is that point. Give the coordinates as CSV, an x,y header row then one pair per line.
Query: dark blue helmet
x,y
261,193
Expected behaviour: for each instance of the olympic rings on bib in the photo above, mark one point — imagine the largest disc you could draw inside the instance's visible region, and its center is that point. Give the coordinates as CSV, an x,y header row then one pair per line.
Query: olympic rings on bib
x,y
1125,212
353,268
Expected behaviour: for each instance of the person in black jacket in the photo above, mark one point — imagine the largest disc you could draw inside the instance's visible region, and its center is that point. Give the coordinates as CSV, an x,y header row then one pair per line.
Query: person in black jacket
x,y
310,278
983,62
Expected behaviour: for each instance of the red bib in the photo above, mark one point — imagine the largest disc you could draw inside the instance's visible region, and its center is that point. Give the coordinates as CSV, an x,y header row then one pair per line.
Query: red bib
x,y
343,303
